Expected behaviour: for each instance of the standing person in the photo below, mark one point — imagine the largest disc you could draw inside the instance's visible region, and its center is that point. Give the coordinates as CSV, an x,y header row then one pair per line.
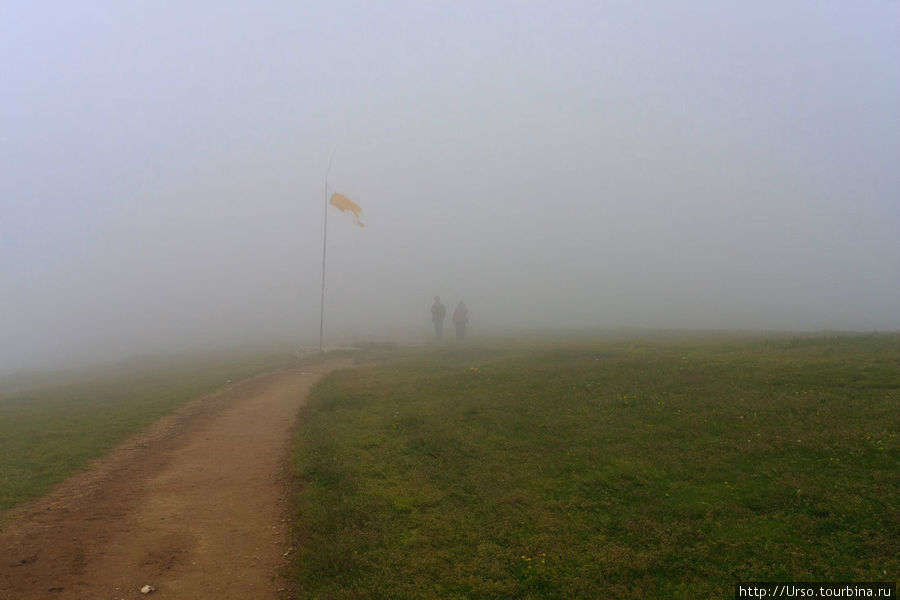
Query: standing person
x,y
460,318
438,312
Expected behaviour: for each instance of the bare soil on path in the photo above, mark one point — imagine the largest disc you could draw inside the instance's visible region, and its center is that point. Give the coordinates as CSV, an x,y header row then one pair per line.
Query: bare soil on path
x,y
195,506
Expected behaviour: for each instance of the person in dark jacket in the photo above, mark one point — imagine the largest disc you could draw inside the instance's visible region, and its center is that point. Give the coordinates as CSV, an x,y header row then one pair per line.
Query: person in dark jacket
x,y
438,312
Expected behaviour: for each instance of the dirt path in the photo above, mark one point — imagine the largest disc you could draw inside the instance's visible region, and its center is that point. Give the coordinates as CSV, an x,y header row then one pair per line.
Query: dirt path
x,y
194,506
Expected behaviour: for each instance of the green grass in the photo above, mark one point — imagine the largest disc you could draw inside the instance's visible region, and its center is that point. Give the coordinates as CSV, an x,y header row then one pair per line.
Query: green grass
x,y
667,468
52,425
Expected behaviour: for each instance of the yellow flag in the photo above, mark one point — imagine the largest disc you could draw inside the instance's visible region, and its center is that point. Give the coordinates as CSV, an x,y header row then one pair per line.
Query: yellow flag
x,y
344,203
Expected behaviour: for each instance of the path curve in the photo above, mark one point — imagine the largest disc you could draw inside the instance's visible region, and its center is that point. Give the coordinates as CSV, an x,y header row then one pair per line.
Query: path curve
x,y
194,506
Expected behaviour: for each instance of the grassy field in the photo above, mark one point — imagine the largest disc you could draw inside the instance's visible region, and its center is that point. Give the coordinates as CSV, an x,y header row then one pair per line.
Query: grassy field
x,y
52,425
665,468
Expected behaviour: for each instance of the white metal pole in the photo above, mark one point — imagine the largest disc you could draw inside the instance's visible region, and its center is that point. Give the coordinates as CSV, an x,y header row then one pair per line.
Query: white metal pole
x,y
324,247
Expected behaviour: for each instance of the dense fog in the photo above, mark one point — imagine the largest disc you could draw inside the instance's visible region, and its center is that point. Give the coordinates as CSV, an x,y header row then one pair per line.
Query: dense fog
x,y
703,165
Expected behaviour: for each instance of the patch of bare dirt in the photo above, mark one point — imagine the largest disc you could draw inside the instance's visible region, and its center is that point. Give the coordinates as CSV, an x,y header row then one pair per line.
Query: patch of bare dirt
x,y
195,506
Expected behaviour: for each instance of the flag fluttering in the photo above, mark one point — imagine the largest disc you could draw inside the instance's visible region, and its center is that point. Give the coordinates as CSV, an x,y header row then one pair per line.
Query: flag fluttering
x,y
344,203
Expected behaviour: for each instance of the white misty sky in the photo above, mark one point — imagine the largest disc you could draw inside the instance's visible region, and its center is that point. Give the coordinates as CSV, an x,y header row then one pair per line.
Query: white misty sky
x,y
555,164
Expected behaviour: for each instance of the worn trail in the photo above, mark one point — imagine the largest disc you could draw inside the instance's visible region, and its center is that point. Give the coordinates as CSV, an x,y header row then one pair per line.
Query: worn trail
x,y
194,507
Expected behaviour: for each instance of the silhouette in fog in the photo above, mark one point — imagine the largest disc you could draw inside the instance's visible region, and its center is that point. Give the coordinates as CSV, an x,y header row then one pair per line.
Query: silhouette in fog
x,y
438,312
460,318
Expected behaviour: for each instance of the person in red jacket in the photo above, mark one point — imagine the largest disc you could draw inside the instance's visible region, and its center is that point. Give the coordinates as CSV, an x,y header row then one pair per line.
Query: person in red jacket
x,y
460,318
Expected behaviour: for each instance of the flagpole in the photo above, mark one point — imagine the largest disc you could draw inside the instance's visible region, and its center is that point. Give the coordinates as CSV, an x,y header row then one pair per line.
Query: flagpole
x,y
324,247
